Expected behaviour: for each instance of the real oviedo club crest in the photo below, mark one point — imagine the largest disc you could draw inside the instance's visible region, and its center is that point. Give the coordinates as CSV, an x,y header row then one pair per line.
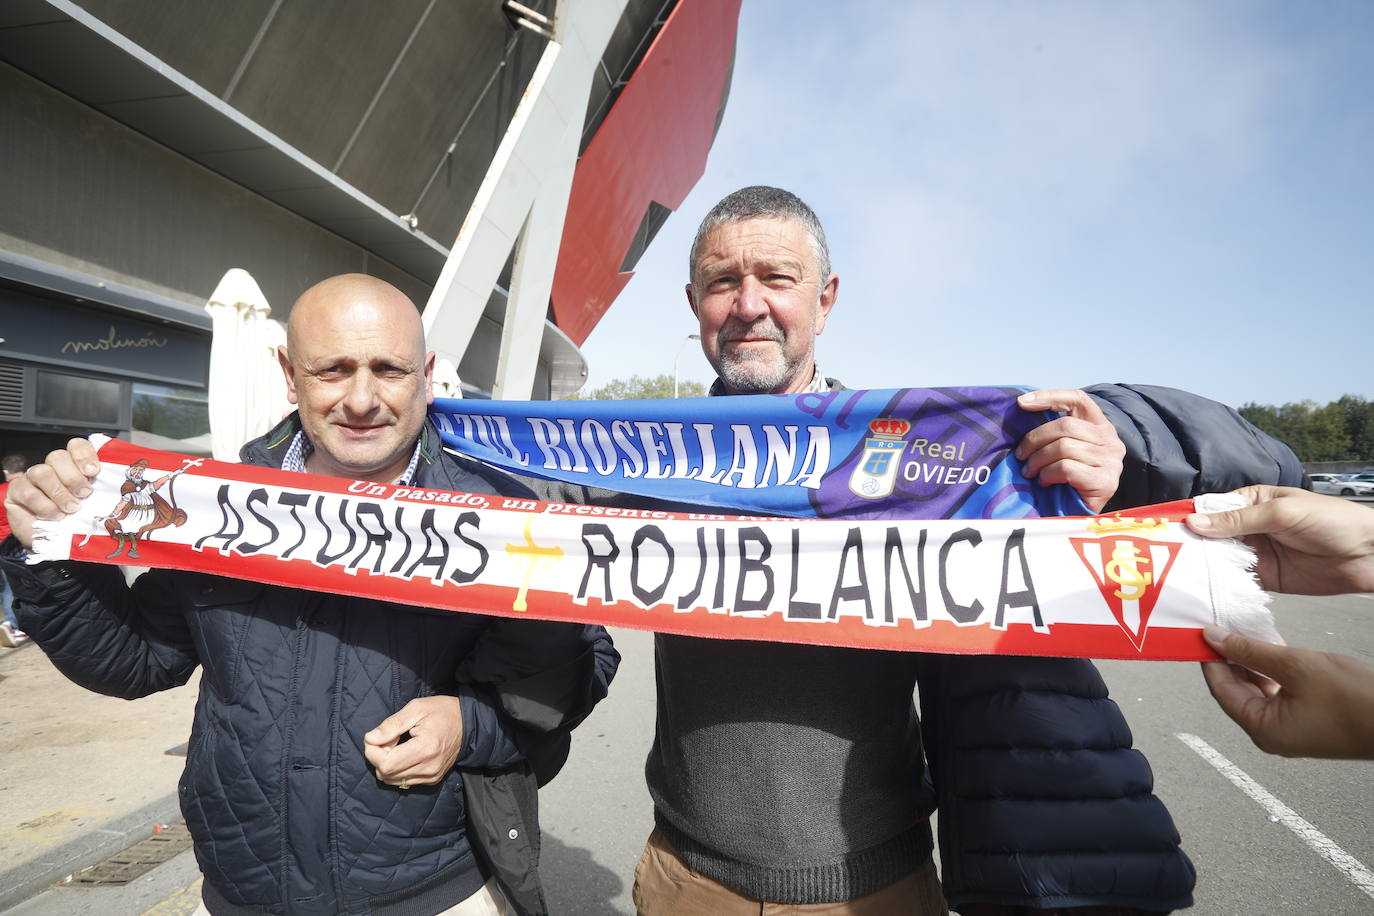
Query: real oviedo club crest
x,y
876,474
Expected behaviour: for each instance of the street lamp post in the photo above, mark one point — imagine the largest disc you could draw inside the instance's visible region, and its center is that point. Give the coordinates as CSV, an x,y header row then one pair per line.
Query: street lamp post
x,y
678,358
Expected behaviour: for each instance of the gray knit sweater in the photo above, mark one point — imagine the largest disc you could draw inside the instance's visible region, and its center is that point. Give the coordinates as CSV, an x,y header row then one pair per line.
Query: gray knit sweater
x,y
790,773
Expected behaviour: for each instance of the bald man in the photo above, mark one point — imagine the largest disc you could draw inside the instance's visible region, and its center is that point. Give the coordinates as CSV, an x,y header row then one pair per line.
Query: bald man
x,y
347,755
356,366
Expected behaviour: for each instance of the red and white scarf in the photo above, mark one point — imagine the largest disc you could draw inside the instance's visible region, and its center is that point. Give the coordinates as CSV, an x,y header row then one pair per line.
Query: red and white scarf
x,y
1135,585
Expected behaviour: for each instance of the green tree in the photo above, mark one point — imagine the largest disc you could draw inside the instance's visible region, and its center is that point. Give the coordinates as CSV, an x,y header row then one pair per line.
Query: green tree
x,y
1359,425
1263,416
1288,423
1313,432
1326,438
636,387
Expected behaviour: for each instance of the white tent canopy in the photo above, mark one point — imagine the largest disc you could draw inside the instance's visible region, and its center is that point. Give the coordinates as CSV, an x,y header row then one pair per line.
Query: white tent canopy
x,y
247,389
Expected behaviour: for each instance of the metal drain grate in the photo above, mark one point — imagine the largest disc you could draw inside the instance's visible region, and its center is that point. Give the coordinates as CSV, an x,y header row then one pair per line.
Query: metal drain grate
x,y
137,860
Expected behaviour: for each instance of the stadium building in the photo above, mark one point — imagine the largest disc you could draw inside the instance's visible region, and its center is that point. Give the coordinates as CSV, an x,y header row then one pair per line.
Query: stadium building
x,y
503,163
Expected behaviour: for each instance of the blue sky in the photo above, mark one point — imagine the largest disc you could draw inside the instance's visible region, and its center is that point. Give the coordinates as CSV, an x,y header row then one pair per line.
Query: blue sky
x,y
1054,193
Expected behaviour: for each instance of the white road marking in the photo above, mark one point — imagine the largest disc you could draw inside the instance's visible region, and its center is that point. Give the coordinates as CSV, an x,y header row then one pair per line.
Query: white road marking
x,y
1320,843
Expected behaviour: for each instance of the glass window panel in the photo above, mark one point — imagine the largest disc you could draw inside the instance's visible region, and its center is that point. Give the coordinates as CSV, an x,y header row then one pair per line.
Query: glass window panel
x,y
176,413
77,399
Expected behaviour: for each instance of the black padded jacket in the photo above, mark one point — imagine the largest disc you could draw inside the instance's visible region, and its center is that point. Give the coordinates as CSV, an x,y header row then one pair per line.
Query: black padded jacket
x,y
1043,801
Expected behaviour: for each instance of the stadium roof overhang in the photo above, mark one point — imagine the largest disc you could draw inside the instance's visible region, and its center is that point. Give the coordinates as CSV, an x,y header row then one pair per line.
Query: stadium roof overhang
x,y
71,50
381,164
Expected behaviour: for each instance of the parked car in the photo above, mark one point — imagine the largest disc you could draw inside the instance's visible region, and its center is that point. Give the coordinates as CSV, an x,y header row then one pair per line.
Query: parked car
x,y
1329,484
1355,485
1351,485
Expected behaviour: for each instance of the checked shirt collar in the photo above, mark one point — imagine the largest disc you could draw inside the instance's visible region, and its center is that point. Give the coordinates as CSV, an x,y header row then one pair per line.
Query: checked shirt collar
x,y
301,448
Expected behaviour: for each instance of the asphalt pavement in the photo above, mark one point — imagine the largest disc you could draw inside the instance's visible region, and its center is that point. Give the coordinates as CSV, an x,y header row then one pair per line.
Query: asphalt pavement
x,y
83,776
1253,859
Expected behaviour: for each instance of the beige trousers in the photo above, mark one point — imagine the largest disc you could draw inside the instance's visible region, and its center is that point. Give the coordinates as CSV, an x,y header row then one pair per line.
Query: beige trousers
x,y
487,901
665,886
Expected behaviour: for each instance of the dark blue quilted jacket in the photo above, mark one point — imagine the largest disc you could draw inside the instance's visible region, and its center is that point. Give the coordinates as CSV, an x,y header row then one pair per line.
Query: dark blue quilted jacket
x,y
1043,801
286,814
1180,445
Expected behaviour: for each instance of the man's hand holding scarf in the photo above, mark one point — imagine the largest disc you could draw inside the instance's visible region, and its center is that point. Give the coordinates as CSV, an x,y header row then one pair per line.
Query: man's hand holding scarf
x,y
1080,448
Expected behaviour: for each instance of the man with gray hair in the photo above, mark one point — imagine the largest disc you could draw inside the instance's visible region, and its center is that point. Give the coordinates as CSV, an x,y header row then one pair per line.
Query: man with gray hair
x,y
763,332
792,778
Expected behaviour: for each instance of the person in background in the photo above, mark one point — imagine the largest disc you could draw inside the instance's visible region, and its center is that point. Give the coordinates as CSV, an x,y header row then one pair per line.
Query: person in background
x,y
10,635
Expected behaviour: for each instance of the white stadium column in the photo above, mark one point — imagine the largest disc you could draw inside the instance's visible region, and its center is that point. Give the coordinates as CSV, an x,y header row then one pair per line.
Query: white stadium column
x,y
523,201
